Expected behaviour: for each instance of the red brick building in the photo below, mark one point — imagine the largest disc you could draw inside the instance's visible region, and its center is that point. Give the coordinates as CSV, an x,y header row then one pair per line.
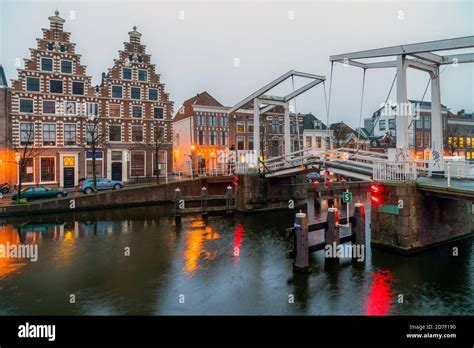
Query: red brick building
x,y
53,105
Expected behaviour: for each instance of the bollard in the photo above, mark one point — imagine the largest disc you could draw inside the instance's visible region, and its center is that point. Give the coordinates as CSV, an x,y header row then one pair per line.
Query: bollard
x,y
204,197
331,234
358,228
177,209
301,263
229,201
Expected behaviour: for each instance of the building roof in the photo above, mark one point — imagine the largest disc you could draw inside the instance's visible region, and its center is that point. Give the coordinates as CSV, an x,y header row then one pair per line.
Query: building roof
x,y
308,122
3,79
364,133
203,98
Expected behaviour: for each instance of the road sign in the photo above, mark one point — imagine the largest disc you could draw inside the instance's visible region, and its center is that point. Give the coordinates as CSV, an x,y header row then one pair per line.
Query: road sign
x,y
346,197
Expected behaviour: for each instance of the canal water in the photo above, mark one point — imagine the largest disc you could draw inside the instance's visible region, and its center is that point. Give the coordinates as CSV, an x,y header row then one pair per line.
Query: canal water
x,y
136,261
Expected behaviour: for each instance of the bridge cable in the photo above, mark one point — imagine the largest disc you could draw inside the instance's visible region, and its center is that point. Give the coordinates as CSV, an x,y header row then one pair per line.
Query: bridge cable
x,y
361,105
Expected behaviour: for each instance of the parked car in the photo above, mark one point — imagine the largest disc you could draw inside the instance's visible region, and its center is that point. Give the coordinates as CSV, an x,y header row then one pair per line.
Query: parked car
x,y
4,188
39,192
87,186
314,176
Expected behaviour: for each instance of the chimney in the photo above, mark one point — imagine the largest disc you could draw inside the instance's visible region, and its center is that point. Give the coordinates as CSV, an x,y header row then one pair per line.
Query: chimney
x,y
134,35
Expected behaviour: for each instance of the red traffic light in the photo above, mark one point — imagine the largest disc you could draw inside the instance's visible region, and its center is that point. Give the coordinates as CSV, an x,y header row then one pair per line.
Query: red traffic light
x,y
377,194
375,188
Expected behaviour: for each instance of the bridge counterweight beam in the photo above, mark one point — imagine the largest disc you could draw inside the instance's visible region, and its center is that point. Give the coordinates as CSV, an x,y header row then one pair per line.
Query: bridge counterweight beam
x,y
402,120
256,128
287,129
436,122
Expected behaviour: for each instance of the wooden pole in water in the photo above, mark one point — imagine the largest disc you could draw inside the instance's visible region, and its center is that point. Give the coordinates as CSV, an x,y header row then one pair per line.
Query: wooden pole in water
x,y
204,197
177,203
358,227
331,233
301,263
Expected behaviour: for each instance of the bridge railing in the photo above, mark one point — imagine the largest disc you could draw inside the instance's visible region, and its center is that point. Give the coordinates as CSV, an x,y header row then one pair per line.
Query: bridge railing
x,y
394,171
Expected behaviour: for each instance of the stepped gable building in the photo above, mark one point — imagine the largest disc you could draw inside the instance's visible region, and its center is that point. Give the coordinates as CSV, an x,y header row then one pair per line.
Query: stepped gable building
x,y
138,115
49,101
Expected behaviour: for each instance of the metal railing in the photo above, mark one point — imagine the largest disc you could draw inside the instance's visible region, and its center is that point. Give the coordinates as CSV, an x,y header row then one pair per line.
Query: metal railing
x,y
394,171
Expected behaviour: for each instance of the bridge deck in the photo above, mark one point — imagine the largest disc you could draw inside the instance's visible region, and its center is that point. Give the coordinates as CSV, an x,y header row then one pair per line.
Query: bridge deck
x,y
460,188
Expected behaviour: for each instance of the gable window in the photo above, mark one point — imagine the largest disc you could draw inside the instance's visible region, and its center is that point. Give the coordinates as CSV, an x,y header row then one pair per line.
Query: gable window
x,y
135,93
117,92
158,113
66,66
27,135
49,107
69,134
50,46
142,75
49,134
46,64
47,169
115,133
137,133
56,86
62,48
126,73
26,105
153,94
32,84
137,111
114,110
78,88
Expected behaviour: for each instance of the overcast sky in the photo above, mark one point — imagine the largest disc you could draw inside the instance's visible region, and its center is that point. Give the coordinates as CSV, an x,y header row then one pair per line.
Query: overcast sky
x,y
196,45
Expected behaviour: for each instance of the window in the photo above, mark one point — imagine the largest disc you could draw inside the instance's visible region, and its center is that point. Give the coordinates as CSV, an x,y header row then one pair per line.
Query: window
x,y
318,142
240,143
137,165
461,142
382,125
212,137
427,120
200,137
115,133
49,134
32,84
47,169
250,127
391,124
159,133
275,126
309,142
250,143
135,92
98,163
114,110
70,108
92,109
126,73
27,172
91,133
66,66
153,94
136,111
224,121
224,138
426,139
419,123
158,113
62,48
78,88
55,86
69,134
142,75
50,46
117,92
201,120
26,105
293,127
212,120
27,135
137,133
49,107
240,126
117,155
46,64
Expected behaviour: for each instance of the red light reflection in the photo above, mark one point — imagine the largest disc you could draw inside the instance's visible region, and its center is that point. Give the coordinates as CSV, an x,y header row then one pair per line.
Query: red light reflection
x,y
238,236
379,300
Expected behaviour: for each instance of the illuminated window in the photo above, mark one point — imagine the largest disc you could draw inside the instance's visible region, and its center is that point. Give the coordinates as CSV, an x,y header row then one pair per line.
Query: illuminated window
x,y
240,126
240,143
461,142
309,141
250,127
468,142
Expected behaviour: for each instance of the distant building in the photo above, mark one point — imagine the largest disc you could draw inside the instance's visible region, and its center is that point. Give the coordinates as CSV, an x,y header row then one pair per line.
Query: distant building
x,y
459,135
315,133
345,136
8,166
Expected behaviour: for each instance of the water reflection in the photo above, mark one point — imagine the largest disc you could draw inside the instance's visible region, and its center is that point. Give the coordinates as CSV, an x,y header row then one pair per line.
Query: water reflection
x,y
380,296
9,236
238,236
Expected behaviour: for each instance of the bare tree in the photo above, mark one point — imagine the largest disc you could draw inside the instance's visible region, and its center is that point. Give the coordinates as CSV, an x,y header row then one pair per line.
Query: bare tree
x,y
154,144
94,141
25,152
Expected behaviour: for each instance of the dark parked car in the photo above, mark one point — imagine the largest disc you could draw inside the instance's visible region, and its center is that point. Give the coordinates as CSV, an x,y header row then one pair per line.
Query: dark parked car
x,y
39,192
314,176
